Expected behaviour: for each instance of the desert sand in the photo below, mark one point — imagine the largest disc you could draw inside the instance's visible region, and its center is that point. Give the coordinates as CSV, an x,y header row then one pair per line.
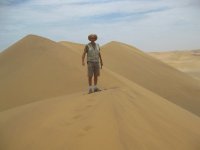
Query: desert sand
x,y
151,73
187,61
146,105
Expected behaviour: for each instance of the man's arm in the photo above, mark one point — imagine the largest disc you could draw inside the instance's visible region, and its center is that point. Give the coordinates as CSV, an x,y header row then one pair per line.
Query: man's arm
x,y
83,55
101,61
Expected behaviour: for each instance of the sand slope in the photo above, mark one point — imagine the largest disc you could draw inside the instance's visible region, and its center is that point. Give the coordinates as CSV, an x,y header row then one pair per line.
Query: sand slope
x,y
186,61
76,47
150,73
153,74
35,68
124,118
44,106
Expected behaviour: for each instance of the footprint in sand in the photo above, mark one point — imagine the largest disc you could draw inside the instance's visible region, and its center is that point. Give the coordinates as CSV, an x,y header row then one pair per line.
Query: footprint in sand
x,y
68,123
84,131
71,121
76,117
87,128
87,106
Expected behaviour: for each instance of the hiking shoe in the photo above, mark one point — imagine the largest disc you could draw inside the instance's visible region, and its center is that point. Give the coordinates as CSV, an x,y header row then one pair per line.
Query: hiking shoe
x,y
96,89
90,91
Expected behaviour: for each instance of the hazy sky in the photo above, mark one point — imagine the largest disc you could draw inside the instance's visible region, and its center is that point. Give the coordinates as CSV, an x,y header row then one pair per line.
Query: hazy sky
x,y
150,25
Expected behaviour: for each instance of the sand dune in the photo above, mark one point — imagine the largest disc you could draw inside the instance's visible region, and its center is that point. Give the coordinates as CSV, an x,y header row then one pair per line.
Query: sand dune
x,y
76,47
186,61
150,73
154,75
35,68
44,102
124,118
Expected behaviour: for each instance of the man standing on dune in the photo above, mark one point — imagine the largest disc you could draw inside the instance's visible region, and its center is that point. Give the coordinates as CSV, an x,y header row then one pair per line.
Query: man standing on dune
x,y
93,55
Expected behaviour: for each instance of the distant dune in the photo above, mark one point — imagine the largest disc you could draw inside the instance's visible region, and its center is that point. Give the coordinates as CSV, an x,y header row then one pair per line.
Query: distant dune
x,y
145,104
186,61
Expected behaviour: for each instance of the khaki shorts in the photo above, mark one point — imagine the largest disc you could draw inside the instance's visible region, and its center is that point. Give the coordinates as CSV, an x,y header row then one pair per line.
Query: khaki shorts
x,y
93,68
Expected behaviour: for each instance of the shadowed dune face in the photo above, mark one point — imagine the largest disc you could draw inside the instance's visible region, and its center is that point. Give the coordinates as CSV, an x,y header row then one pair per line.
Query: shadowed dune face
x,y
153,74
35,68
185,61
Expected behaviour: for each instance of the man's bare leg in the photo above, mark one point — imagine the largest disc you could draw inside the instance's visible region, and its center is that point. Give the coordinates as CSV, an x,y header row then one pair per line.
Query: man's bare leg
x,y
90,84
90,81
95,84
95,80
